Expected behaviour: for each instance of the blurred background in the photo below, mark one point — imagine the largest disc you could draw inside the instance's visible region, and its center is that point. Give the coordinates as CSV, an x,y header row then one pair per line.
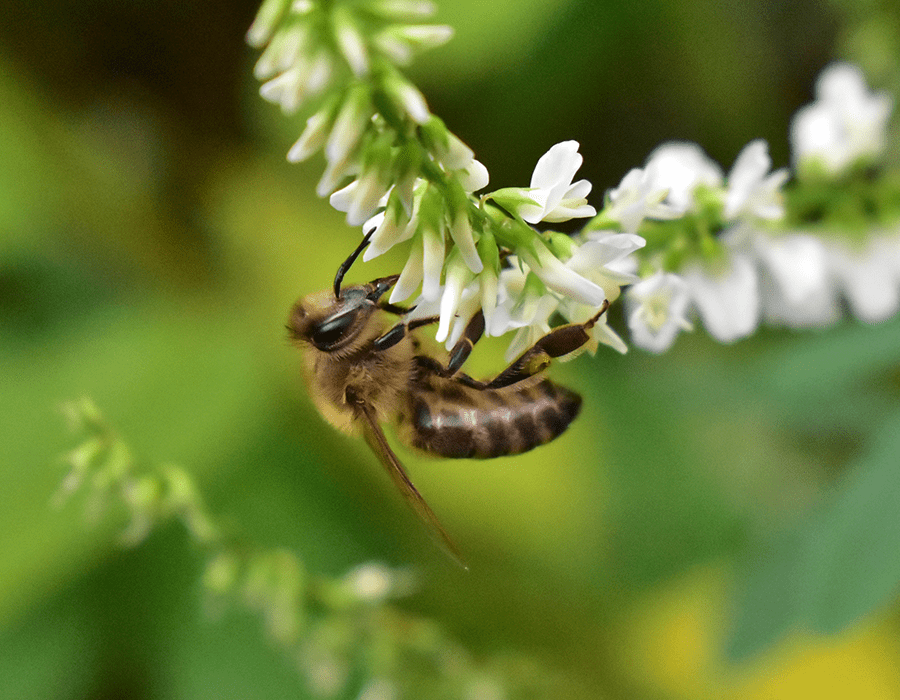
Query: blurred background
x,y
153,238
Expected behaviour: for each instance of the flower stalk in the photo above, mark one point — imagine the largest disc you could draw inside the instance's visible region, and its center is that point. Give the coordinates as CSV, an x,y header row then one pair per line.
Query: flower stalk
x,y
781,246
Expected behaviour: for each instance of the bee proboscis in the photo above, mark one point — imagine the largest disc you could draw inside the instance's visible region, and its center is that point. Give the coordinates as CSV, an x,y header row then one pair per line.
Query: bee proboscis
x,y
365,368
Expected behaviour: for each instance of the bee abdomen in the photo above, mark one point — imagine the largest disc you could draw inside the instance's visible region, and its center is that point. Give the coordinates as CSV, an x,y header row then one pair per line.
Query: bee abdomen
x,y
453,421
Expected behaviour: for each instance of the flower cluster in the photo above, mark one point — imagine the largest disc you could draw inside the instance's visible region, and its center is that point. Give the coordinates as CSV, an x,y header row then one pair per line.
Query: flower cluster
x,y
753,246
683,238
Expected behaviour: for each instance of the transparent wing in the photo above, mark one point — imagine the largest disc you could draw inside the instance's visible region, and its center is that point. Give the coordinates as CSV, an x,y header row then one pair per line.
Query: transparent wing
x,y
375,438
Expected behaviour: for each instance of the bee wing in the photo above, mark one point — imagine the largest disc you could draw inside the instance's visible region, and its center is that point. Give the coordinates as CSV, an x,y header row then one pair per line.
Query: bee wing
x,y
375,438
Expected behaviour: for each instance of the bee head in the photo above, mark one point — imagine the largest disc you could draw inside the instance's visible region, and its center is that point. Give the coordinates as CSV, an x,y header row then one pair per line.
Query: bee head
x,y
331,324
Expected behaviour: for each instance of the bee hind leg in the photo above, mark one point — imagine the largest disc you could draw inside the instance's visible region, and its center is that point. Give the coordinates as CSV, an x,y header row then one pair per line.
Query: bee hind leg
x,y
558,342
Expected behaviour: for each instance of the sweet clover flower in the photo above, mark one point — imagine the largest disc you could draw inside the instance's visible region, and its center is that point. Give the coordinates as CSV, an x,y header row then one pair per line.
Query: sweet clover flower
x,y
727,298
639,196
657,311
679,168
753,192
867,277
524,306
796,286
845,124
552,196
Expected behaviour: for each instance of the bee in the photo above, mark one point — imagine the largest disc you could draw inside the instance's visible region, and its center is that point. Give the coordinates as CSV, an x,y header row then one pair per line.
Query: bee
x,y
365,367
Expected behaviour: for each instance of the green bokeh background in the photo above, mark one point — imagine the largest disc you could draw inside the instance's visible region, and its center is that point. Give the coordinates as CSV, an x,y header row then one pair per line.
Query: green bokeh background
x,y
153,238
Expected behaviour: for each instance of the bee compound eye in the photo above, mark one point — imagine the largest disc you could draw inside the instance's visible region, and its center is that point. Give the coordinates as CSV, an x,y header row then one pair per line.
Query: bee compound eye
x,y
332,330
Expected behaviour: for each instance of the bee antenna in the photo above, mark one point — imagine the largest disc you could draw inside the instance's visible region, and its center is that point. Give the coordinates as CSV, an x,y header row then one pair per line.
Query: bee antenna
x,y
342,270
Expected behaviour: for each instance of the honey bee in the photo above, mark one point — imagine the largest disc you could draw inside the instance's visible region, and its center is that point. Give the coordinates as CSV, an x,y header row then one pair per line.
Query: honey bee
x,y
366,368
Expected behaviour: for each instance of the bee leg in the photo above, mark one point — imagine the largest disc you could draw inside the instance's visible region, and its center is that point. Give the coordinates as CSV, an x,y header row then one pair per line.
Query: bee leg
x,y
394,309
463,348
560,341
398,333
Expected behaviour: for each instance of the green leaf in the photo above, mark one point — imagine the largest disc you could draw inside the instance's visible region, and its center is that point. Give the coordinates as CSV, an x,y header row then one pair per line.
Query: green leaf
x,y
826,366
852,557
834,568
766,604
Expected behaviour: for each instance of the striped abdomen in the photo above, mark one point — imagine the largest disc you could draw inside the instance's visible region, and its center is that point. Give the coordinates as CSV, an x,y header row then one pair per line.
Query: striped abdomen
x,y
450,419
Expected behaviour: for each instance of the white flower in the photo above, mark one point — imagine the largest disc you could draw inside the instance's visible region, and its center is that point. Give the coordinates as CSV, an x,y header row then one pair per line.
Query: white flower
x,y
304,79
868,277
451,152
282,51
555,198
752,192
727,300
404,9
796,285
361,197
657,311
561,278
605,259
455,156
844,124
350,41
349,126
680,167
601,333
409,98
474,176
521,307
639,196
390,227
426,260
398,41
457,277
474,298
266,21
312,138
461,233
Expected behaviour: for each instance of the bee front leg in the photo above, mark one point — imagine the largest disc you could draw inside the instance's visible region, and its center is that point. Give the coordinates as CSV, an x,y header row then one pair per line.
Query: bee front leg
x,y
398,333
558,342
458,355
